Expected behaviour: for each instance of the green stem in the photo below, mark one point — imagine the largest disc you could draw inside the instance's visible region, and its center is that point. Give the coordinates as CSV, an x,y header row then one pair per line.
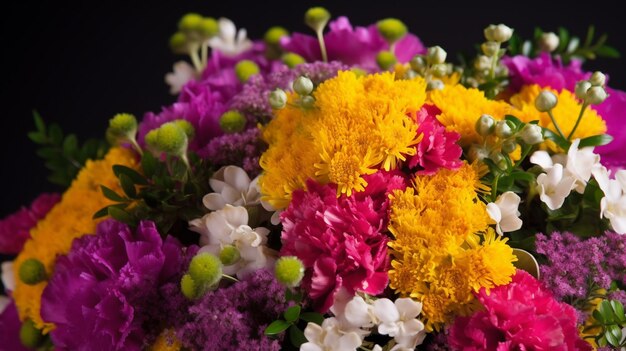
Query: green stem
x,y
580,117
494,64
525,153
136,146
556,125
205,54
494,188
320,38
195,58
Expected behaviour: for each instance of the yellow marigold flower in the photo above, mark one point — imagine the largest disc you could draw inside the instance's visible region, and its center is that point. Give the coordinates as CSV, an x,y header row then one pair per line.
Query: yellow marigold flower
x,y
345,168
166,341
461,107
565,113
71,218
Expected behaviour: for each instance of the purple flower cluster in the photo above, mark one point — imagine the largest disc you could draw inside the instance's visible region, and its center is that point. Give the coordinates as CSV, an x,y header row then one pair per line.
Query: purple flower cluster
x,y
105,293
242,149
235,317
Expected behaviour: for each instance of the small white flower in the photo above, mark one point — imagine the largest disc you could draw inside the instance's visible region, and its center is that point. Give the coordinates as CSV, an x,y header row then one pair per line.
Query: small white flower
x,y
8,278
613,204
554,187
399,321
580,163
229,41
232,186
329,337
183,73
504,212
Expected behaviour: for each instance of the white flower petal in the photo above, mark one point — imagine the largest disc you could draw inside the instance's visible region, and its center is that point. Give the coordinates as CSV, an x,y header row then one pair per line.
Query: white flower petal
x,y
601,175
620,176
511,224
309,346
494,212
313,332
183,73
237,178
408,308
213,201
385,310
8,278
357,312
508,203
235,215
227,29
349,341
542,159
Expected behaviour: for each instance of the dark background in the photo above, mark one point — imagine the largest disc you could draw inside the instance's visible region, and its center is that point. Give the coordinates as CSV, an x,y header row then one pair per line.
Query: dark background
x,y
79,64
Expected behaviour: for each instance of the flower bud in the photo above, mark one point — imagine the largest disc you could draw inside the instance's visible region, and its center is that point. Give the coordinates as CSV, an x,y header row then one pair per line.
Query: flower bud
x,y
439,70
417,63
303,86
208,27
545,101
190,22
597,79
485,125
596,95
392,29
490,48
205,269
188,287
316,18
581,89
498,159
436,55
32,271
278,99
229,255
509,146
292,60
482,63
504,129
245,69
549,42
307,101
152,137
170,138
30,336
386,59
187,127
289,270
123,124
273,35
499,33
232,122
532,134
434,84
477,153
178,43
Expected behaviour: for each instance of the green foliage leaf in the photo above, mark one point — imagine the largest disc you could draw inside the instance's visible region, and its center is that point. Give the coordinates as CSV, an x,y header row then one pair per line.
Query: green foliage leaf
x,y
312,317
135,176
606,311
149,164
112,195
37,137
277,327
613,335
296,336
290,295
618,311
39,123
293,313
559,140
128,186
121,215
596,140
563,39
608,51
70,144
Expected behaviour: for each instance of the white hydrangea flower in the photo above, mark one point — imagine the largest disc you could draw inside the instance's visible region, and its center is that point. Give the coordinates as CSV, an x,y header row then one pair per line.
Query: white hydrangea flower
x,y
398,319
504,212
183,73
554,186
613,204
232,186
229,41
8,278
329,337
580,163
229,226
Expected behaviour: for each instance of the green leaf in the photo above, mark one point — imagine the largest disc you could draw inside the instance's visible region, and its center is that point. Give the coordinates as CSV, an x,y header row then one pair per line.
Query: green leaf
x,y
101,212
290,295
563,39
613,335
56,134
608,51
70,144
523,176
312,317
128,186
37,137
537,34
560,141
598,316
296,336
514,119
573,45
39,122
591,31
121,215
595,140
149,164
112,195
607,312
135,176
293,313
277,327
618,311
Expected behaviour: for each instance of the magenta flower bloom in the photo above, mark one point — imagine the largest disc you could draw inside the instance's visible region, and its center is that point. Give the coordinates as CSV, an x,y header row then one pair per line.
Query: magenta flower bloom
x,y
106,291
15,228
352,46
521,315
548,72
341,241
438,147
10,329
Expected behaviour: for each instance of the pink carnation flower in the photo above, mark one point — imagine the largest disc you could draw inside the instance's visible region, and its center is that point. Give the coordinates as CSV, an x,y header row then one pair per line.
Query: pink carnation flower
x,y
438,148
352,46
341,241
522,315
15,228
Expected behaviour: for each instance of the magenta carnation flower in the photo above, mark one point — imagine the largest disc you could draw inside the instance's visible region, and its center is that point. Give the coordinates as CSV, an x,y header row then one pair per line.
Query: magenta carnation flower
x,y
341,241
352,46
438,147
522,315
10,328
15,228
105,293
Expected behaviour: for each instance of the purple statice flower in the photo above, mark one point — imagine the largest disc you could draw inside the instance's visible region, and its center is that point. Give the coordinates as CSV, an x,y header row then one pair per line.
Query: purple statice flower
x,y
551,72
240,149
15,228
104,295
235,317
10,328
352,46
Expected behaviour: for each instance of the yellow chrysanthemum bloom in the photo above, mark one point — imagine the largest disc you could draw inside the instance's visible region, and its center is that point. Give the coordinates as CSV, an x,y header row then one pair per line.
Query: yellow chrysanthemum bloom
x,y
565,113
437,256
166,341
358,125
71,218
461,107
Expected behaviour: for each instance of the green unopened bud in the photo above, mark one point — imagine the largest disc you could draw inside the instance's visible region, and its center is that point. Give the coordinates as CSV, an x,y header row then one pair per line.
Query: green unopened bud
x,y
509,146
482,63
434,84
545,101
30,336
418,64
499,33
273,35
188,287
581,89
171,139
548,42
289,270
307,101
292,60
490,48
498,159
178,43
485,125
208,27
229,255
123,124
278,99
597,79
386,59
531,134
32,271
359,72
392,29
151,138
190,22
504,129
316,18
245,69
232,122
187,127
205,269
303,86
477,153
439,70
596,95
436,55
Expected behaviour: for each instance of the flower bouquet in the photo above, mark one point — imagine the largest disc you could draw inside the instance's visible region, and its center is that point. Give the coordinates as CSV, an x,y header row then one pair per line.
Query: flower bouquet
x,y
346,190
